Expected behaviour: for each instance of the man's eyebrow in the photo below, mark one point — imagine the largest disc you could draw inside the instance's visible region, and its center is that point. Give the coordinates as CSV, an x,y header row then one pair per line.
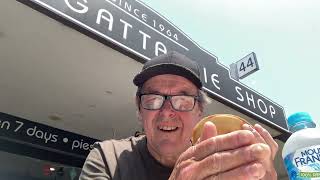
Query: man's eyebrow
x,y
184,92
150,91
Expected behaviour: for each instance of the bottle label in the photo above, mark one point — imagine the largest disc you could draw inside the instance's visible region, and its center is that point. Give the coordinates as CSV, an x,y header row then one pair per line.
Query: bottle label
x,y
304,163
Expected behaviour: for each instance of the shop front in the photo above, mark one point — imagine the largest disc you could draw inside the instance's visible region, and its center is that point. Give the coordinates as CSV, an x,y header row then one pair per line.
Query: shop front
x,y
66,81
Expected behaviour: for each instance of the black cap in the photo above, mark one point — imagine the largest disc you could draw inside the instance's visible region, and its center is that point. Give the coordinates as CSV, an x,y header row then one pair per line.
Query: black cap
x,y
171,63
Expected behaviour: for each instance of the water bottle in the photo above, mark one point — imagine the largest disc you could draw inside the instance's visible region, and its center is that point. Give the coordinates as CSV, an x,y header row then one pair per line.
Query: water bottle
x,y
301,152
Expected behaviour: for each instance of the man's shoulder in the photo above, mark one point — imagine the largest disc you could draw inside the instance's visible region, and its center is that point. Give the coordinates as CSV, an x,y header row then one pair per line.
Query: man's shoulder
x,y
122,152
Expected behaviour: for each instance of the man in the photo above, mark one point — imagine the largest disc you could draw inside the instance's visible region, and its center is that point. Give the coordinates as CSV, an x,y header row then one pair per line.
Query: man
x,y
170,102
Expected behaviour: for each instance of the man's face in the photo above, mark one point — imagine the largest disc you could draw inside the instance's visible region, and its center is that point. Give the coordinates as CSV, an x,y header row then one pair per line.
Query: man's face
x,y
168,131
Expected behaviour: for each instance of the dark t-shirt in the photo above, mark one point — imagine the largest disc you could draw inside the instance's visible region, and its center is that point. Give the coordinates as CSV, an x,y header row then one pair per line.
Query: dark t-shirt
x,y
126,159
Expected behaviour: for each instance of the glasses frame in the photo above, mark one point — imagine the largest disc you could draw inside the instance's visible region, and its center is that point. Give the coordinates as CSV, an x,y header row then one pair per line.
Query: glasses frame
x,y
166,97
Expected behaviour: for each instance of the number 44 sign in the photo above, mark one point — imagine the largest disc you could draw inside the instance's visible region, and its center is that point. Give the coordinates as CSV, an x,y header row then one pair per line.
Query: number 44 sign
x,y
244,67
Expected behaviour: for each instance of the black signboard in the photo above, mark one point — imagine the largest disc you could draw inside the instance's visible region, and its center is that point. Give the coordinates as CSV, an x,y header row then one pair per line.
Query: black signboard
x,y
134,28
37,139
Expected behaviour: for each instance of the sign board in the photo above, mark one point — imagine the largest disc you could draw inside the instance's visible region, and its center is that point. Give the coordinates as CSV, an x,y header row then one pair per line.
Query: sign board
x,y
132,27
247,65
52,140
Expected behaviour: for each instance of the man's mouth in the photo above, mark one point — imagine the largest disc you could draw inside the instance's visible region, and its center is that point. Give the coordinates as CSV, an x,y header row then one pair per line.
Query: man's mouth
x,y
168,128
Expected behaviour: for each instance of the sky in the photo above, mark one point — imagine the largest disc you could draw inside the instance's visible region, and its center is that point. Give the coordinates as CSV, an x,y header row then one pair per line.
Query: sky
x,y
284,34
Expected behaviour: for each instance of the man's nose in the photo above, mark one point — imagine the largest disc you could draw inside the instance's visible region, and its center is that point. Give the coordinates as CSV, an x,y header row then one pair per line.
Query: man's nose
x,y
167,109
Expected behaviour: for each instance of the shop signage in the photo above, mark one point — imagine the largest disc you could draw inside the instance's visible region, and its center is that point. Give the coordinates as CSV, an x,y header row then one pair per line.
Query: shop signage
x,y
133,27
50,139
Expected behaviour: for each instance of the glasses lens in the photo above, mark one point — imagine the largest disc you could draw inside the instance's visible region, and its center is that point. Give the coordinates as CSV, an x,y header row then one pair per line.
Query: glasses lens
x,y
152,101
182,103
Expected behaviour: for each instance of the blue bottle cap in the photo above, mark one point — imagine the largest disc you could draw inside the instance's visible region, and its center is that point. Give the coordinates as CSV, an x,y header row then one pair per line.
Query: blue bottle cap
x,y
298,118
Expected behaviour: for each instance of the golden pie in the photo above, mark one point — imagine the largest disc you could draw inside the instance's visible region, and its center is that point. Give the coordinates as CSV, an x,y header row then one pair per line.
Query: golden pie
x,y
225,123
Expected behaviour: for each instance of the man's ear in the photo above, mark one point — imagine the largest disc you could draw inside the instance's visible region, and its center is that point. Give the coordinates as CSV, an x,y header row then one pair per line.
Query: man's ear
x,y
201,110
138,113
200,113
139,117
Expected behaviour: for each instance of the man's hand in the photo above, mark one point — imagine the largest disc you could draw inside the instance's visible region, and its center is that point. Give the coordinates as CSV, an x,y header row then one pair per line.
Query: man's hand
x,y
263,136
237,155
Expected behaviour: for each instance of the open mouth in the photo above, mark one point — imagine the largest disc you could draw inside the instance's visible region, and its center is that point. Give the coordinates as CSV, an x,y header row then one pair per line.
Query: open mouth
x,y
167,128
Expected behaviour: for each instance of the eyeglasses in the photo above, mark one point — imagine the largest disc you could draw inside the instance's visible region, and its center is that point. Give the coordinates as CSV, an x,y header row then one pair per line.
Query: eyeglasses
x,y
178,102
